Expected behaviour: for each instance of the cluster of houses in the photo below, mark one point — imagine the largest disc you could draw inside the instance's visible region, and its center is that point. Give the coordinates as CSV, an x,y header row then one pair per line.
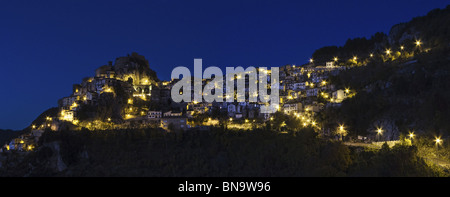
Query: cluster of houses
x,y
25,142
129,79
300,87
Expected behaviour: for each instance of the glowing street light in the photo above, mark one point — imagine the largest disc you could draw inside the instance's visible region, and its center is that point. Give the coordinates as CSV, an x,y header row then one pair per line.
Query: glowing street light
x,y
418,43
341,131
379,132
371,55
388,51
311,60
347,90
355,58
401,47
335,59
324,82
411,135
438,141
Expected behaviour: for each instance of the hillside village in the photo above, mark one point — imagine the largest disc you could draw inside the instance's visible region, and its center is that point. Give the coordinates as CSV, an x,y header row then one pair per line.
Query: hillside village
x,y
128,94
134,92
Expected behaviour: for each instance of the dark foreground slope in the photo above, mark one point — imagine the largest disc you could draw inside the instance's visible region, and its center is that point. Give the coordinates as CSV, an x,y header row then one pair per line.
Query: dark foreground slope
x,y
205,154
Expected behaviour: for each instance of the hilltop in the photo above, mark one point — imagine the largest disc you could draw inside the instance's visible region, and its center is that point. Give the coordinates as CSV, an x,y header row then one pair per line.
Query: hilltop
x,y
431,30
404,90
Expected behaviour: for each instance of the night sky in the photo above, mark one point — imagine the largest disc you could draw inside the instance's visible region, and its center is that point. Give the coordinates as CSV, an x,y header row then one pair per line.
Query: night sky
x,y
46,46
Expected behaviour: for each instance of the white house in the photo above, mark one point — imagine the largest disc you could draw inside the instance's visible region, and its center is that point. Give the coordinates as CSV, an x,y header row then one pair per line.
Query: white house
x,y
312,92
171,113
154,114
292,107
329,64
67,101
299,86
338,96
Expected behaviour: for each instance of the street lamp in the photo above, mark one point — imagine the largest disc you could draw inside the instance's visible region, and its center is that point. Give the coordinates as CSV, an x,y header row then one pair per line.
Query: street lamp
x,y
335,59
418,43
388,51
401,47
379,132
341,131
438,141
411,136
371,55
311,60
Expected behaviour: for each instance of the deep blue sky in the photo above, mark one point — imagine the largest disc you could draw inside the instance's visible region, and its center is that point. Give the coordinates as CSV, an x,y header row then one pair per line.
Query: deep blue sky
x,y
46,46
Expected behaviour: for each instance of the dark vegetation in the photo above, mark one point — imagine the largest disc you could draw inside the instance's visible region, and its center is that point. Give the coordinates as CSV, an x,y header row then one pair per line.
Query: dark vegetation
x,y
415,96
152,152
411,92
